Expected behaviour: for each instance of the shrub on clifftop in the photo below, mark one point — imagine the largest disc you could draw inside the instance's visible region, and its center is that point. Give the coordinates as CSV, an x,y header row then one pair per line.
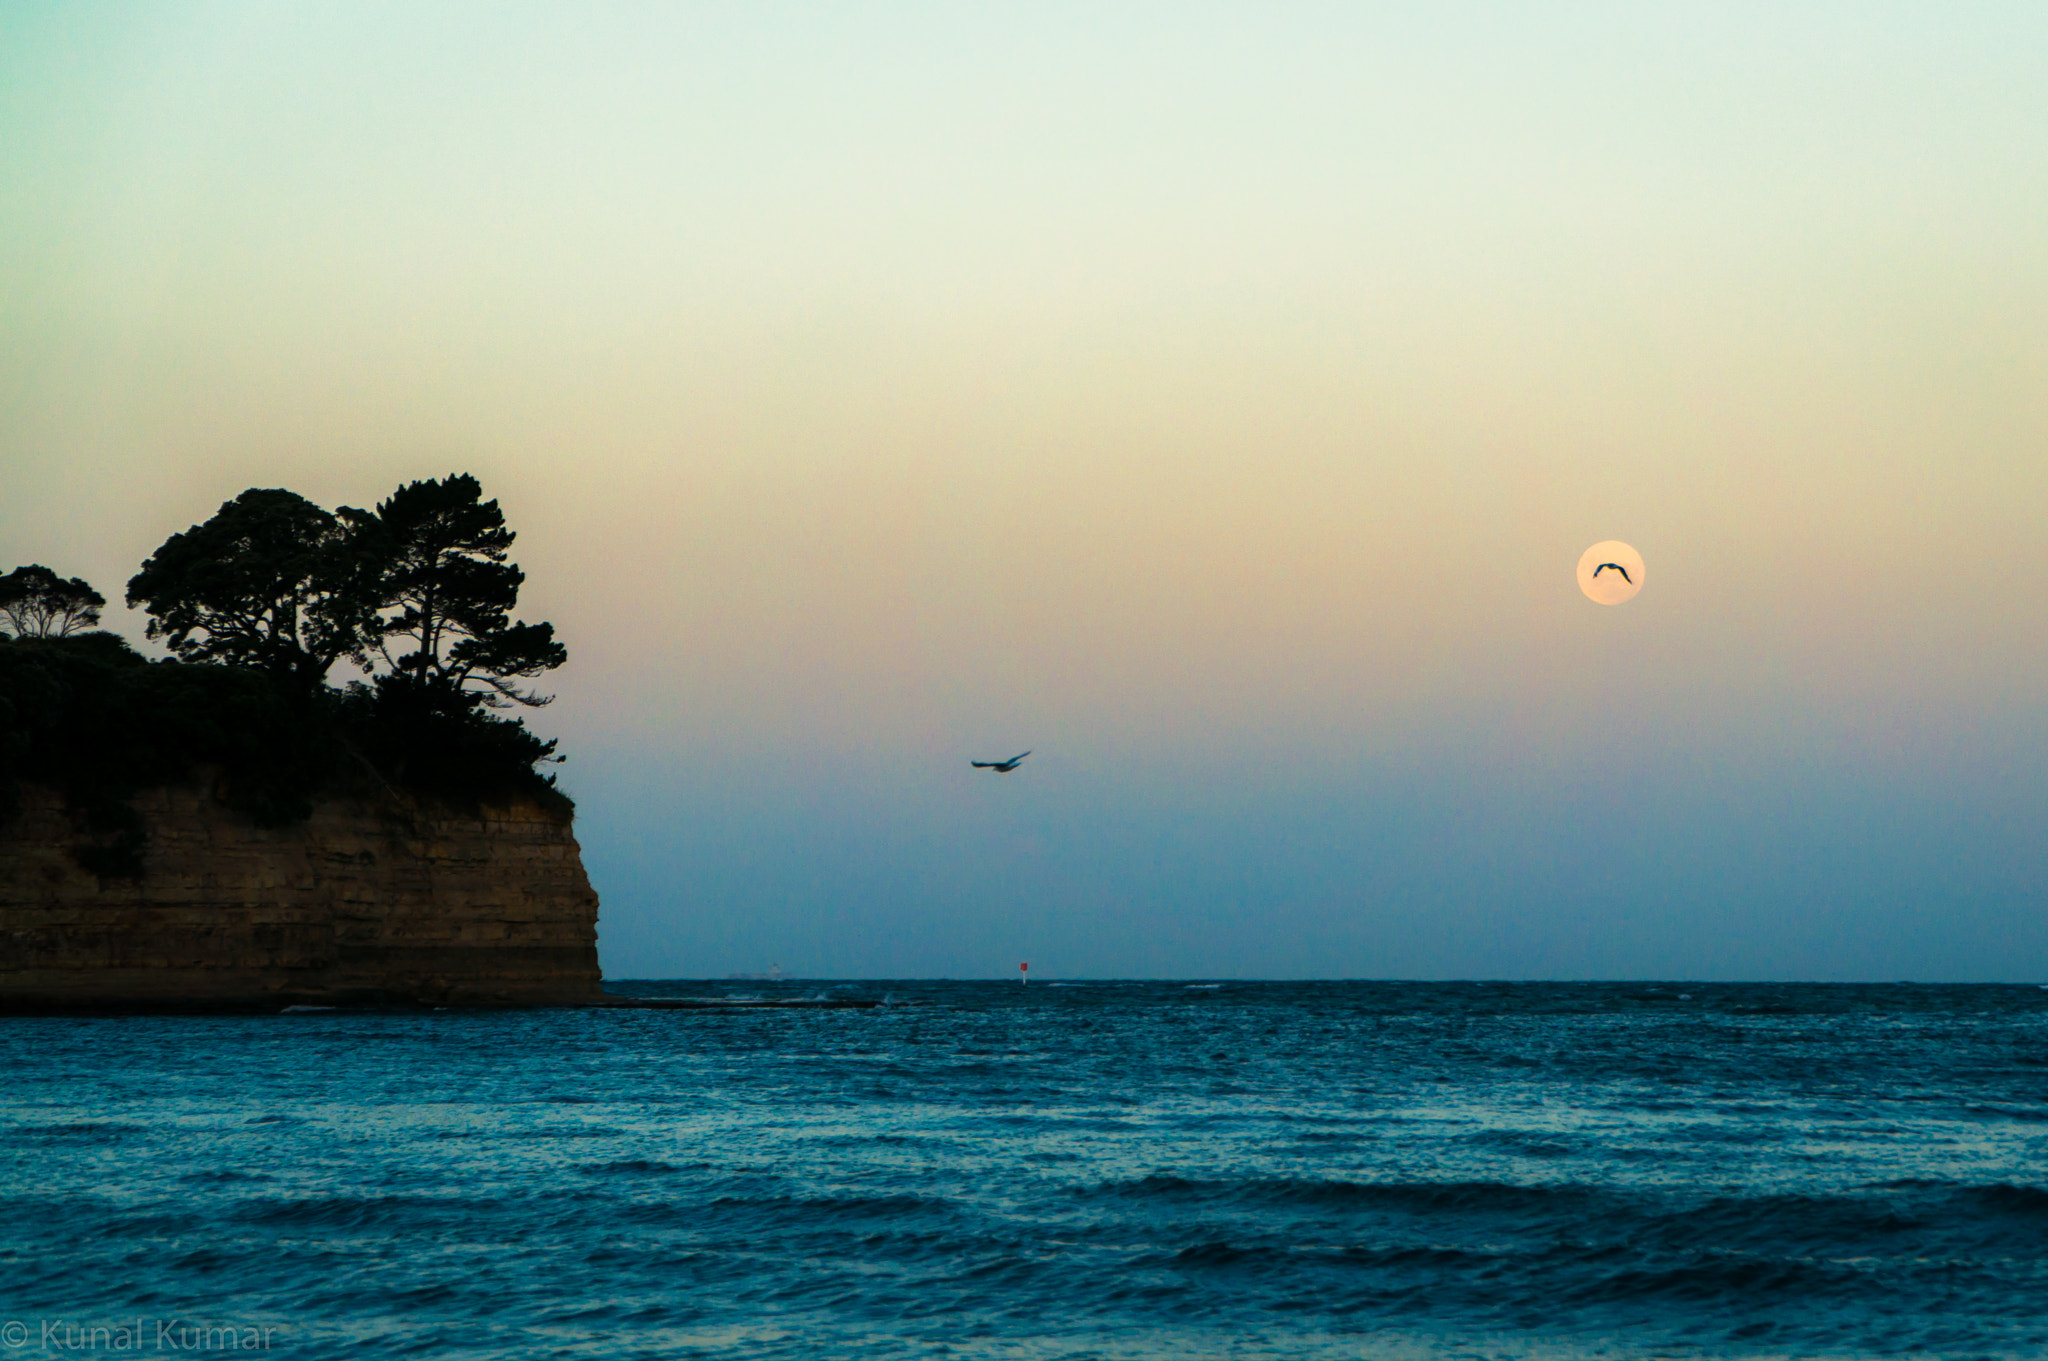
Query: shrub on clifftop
x,y
87,716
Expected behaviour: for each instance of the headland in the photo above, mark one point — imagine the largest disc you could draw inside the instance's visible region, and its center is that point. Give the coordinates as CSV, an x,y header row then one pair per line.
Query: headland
x,y
226,827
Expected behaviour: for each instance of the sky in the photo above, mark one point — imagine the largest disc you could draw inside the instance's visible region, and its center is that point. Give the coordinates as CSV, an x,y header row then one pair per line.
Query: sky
x,y
1213,399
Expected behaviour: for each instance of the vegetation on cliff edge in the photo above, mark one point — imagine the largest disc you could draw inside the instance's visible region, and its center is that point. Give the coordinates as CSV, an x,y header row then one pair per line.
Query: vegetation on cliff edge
x,y
257,605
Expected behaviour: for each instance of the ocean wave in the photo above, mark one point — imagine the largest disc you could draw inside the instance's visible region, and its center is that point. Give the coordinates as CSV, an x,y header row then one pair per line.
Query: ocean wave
x,y
362,1212
83,1129
560,1132
1523,1143
2009,1198
1748,1284
831,1209
636,1167
1939,1221
1780,1225
1461,1197
2032,1114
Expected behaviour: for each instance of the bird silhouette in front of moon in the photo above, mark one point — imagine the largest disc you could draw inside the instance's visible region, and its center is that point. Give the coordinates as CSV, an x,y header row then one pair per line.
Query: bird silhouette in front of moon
x,y
1595,564
1000,767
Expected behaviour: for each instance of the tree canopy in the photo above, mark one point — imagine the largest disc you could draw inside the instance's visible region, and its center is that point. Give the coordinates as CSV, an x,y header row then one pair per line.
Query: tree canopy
x,y
257,605
271,582
422,585
445,593
37,603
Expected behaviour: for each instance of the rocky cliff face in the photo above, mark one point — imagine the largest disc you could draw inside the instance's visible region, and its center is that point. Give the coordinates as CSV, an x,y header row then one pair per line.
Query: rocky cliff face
x,y
374,899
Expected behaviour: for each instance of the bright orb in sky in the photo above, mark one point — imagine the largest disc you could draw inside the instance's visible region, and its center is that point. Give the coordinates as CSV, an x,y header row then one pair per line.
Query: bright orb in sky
x,y
1610,587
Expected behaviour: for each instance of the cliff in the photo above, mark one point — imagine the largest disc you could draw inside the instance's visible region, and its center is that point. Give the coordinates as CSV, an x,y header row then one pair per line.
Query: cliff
x,y
374,899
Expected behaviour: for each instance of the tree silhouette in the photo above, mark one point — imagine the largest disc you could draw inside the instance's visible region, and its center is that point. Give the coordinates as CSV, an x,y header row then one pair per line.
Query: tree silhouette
x,y
257,604
446,593
38,603
272,582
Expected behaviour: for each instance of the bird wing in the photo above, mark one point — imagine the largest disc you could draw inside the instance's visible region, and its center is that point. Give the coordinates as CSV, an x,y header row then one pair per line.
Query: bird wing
x,y
981,765
1624,574
1015,759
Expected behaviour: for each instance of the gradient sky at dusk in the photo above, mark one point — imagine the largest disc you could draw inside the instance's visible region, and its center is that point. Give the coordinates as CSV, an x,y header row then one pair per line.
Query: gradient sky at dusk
x,y
1215,399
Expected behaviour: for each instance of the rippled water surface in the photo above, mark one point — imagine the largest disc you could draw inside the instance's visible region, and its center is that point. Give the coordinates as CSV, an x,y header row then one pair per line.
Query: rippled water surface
x,y
1113,1170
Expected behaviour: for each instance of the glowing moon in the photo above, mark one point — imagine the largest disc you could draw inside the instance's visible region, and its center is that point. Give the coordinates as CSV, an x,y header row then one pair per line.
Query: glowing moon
x,y
1610,572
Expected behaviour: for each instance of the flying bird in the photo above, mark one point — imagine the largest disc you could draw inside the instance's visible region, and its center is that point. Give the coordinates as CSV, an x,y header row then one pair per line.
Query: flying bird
x,y
1000,767
1617,567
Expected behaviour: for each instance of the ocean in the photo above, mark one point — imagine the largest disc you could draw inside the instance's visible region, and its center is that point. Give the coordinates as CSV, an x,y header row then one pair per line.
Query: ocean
x,y
1114,1170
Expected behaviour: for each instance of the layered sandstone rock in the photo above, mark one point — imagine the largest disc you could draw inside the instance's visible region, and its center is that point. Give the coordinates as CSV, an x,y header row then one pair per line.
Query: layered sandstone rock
x,y
373,899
